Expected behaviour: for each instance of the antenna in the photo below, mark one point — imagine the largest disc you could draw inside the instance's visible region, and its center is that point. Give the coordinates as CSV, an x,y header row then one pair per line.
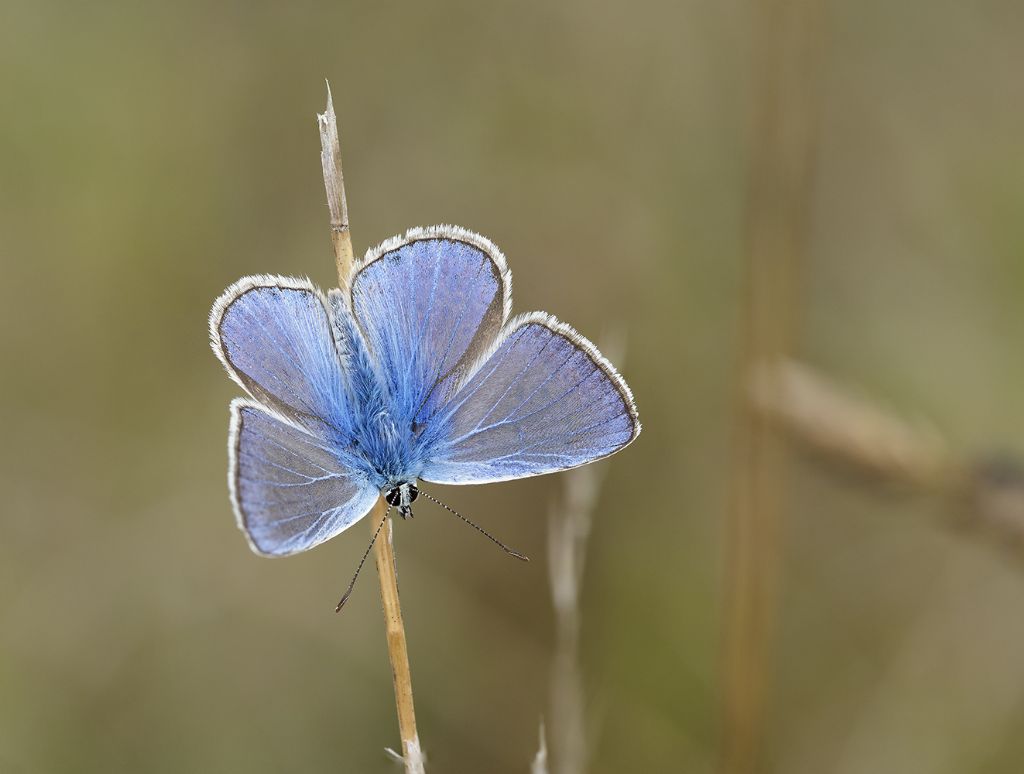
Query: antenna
x,y
478,528
352,583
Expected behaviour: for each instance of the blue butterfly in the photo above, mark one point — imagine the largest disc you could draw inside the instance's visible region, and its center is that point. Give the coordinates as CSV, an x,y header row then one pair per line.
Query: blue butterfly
x,y
414,372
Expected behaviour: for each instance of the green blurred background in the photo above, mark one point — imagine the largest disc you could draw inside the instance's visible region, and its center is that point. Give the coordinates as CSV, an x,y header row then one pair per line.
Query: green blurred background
x,y
152,154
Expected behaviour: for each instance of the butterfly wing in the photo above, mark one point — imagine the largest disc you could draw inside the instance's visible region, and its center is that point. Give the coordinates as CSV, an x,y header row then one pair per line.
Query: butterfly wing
x,y
544,400
290,485
288,488
428,304
274,336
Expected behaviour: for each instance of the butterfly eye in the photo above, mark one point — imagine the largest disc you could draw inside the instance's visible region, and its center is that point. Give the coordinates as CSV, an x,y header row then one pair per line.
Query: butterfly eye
x,y
393,496
413,493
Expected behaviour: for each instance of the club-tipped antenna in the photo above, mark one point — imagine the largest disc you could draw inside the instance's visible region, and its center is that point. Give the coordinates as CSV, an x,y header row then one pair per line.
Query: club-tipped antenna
x,y
478,528
352,583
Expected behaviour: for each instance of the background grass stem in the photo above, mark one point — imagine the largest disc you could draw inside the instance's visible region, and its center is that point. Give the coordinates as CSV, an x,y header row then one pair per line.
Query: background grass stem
x,y
782,148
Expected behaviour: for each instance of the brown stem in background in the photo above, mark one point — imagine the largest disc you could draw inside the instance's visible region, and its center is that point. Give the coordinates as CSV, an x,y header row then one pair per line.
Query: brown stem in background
x,y
384,550
787,35
821,414
986,495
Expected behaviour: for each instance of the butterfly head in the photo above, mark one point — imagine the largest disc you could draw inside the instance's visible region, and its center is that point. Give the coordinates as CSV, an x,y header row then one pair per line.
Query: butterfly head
x,y
401,496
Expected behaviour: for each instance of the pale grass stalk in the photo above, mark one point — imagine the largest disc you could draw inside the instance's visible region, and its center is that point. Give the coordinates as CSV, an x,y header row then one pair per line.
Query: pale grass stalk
x,y
569,525
540,760
784,124
384,551
568,529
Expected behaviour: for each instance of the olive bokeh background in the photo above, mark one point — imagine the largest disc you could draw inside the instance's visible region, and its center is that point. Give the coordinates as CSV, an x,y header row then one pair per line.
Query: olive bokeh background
x,y
150,154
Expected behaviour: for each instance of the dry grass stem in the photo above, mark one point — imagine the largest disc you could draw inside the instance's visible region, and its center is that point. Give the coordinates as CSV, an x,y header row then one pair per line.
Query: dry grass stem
x,y
384,551
540,760
784,125
569,524
829,419
568,529
334,183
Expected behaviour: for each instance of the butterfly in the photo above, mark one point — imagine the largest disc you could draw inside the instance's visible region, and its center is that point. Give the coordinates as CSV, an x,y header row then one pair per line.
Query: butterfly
x,y
415,371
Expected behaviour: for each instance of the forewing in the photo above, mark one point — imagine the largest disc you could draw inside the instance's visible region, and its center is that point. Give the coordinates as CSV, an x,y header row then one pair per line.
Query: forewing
x,y
275,338
545,400
429,304
288,489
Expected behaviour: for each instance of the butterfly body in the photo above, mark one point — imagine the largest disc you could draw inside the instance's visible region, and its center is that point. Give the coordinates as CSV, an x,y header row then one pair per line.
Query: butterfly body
x,y
414,372
383,433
